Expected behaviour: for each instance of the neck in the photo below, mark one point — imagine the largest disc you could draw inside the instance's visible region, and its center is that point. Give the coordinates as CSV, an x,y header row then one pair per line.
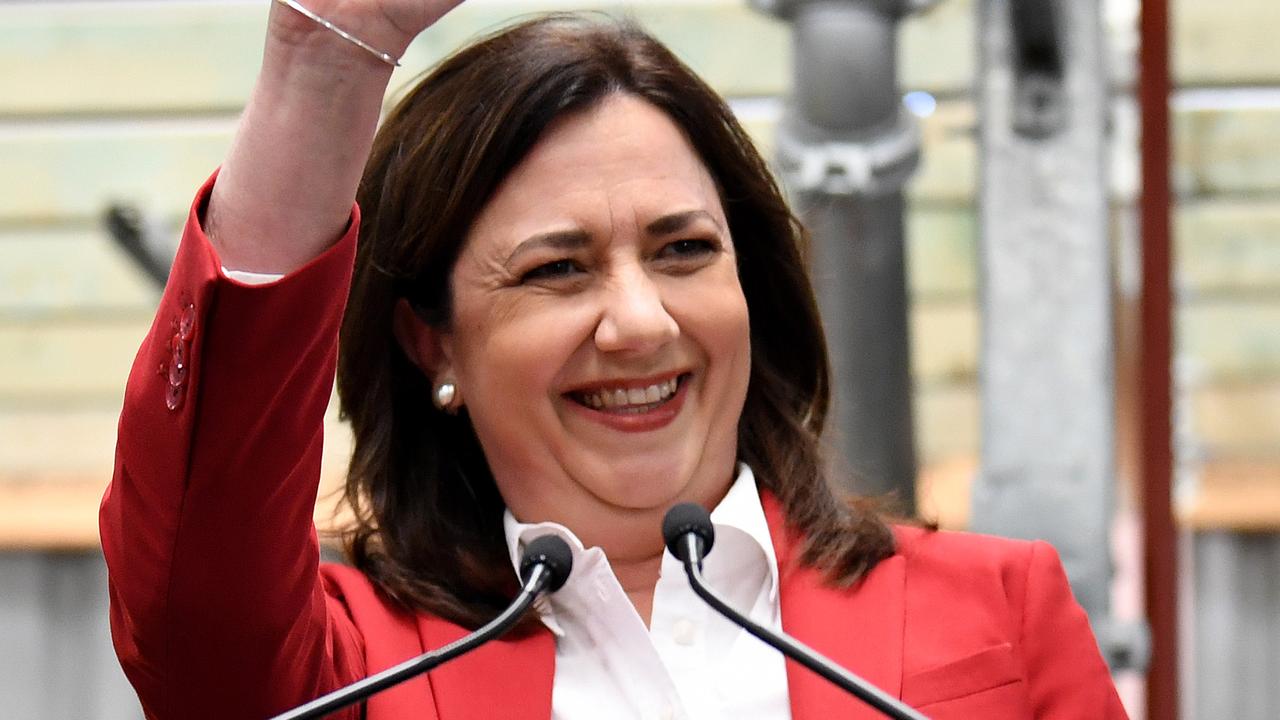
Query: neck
x,y
638,578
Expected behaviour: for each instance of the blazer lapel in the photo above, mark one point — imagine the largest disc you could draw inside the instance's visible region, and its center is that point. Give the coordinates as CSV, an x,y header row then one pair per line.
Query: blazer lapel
x,y
507,679
858,628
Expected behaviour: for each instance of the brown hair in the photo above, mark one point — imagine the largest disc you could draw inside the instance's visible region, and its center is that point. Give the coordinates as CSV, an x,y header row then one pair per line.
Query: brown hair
x,y
428,516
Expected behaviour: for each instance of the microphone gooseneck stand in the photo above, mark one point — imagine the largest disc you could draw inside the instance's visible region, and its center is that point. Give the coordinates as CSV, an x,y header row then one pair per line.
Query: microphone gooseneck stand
x,y
546,565
689,535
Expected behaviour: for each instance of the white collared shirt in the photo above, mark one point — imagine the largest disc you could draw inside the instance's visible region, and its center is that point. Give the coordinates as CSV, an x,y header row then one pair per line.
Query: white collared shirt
x,y
690,663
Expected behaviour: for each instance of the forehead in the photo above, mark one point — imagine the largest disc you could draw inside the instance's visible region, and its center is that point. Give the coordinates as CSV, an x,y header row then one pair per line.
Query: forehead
x,y
617,165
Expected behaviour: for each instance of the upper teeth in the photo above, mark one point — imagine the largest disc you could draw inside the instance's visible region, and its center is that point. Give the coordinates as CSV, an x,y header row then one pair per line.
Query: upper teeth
x,y
625,397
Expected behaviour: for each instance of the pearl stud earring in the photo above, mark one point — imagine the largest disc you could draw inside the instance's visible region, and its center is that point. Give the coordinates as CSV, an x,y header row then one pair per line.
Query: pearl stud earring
x,y
444,395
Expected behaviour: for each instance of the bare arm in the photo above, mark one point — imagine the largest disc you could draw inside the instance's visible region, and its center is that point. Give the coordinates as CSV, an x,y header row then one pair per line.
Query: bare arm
x,y
286,188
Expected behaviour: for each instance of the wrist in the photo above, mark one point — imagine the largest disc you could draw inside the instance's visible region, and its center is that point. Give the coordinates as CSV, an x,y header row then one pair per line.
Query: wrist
x,y
320,34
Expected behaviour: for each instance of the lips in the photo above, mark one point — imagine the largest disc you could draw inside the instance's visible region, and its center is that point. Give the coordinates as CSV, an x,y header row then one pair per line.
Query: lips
x,y
629,397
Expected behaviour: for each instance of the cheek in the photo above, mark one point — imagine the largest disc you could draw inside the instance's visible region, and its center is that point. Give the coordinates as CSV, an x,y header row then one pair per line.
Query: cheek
x,y
717,318
507,369
739,340
730,305
505,355
732,335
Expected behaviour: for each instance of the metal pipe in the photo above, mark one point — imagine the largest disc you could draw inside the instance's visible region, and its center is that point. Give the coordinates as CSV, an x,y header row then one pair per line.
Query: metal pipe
x,y
846,147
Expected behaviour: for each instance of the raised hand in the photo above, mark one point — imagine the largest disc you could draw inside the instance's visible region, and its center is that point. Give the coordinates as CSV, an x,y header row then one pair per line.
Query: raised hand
x,y
286,188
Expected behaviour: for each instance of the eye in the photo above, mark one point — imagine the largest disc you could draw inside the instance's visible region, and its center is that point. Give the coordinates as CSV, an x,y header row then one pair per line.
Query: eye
x,y
552,270
690,247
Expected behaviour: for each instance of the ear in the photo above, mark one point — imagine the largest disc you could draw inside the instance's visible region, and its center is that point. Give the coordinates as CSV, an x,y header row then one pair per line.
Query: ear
x,y
426,345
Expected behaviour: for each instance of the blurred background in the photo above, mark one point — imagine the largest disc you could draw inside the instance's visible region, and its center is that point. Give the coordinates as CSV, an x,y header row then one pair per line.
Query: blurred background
x,y
973,171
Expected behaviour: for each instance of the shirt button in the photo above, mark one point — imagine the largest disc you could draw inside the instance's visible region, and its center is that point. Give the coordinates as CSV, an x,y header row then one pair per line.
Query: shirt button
x,y
684,631
667,712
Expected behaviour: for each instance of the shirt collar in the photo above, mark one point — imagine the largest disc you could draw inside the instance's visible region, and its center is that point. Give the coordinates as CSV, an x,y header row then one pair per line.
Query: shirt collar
x,y
740,510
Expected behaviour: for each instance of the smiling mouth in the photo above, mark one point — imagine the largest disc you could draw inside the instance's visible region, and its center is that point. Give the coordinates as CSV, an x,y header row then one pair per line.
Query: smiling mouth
x,y
630,401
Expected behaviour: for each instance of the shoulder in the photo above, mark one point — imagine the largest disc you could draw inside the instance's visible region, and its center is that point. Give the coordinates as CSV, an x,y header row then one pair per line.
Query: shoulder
x,y
971,600
923,543
377,620
348,585
982,573
388,629
968,553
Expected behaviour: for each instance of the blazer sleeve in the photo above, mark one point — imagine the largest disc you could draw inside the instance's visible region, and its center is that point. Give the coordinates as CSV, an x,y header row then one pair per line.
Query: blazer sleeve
x,y
1066,675
217,607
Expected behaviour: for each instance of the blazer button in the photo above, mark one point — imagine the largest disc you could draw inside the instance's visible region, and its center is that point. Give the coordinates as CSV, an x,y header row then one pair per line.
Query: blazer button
x,y
175,389
178,363
173,397
187,322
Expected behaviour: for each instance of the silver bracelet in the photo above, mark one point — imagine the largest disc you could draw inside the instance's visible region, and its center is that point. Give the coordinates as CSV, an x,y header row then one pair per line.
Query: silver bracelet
x,y
385,57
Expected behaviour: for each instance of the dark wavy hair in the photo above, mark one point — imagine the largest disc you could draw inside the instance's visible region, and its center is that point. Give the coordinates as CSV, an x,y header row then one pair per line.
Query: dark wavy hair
x,y
427,526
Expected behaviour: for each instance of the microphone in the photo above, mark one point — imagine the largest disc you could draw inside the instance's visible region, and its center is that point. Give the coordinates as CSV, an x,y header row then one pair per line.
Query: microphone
x,y
689,535
545,567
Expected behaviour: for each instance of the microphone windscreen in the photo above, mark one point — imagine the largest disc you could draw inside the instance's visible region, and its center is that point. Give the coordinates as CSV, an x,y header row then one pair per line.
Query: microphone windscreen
x,y
683,519
552,552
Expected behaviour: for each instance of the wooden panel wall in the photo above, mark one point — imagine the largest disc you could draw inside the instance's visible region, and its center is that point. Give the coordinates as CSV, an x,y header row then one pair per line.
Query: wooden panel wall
x,y
133,101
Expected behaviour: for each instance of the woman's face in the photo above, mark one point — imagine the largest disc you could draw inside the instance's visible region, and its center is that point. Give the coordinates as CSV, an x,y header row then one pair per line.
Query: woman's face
x,y
600,337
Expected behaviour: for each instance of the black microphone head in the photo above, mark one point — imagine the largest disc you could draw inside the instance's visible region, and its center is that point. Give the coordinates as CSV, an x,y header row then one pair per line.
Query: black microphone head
x,y
553,553
683,519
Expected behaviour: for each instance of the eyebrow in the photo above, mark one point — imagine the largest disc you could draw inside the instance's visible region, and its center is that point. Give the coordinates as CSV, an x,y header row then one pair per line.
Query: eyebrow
x,y
578,239
675,222
555,240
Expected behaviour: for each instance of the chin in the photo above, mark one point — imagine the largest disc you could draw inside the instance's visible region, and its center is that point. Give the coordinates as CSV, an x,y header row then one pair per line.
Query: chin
x,y
658,483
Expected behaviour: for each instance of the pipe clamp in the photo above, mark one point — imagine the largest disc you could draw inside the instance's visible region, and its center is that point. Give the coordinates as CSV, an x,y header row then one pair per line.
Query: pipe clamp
x,y
876,166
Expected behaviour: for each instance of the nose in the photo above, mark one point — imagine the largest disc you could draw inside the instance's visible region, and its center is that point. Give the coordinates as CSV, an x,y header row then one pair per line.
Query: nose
x,y
634,318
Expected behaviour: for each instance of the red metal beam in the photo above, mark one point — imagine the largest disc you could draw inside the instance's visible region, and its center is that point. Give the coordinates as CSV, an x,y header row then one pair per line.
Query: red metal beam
x,y
1155,384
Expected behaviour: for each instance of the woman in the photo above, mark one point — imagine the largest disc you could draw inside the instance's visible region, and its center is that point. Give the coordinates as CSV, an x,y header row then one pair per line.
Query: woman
x,y
578,299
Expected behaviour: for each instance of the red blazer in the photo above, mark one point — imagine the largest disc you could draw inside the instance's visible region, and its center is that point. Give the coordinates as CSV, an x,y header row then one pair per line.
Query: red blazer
x,y
220,608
